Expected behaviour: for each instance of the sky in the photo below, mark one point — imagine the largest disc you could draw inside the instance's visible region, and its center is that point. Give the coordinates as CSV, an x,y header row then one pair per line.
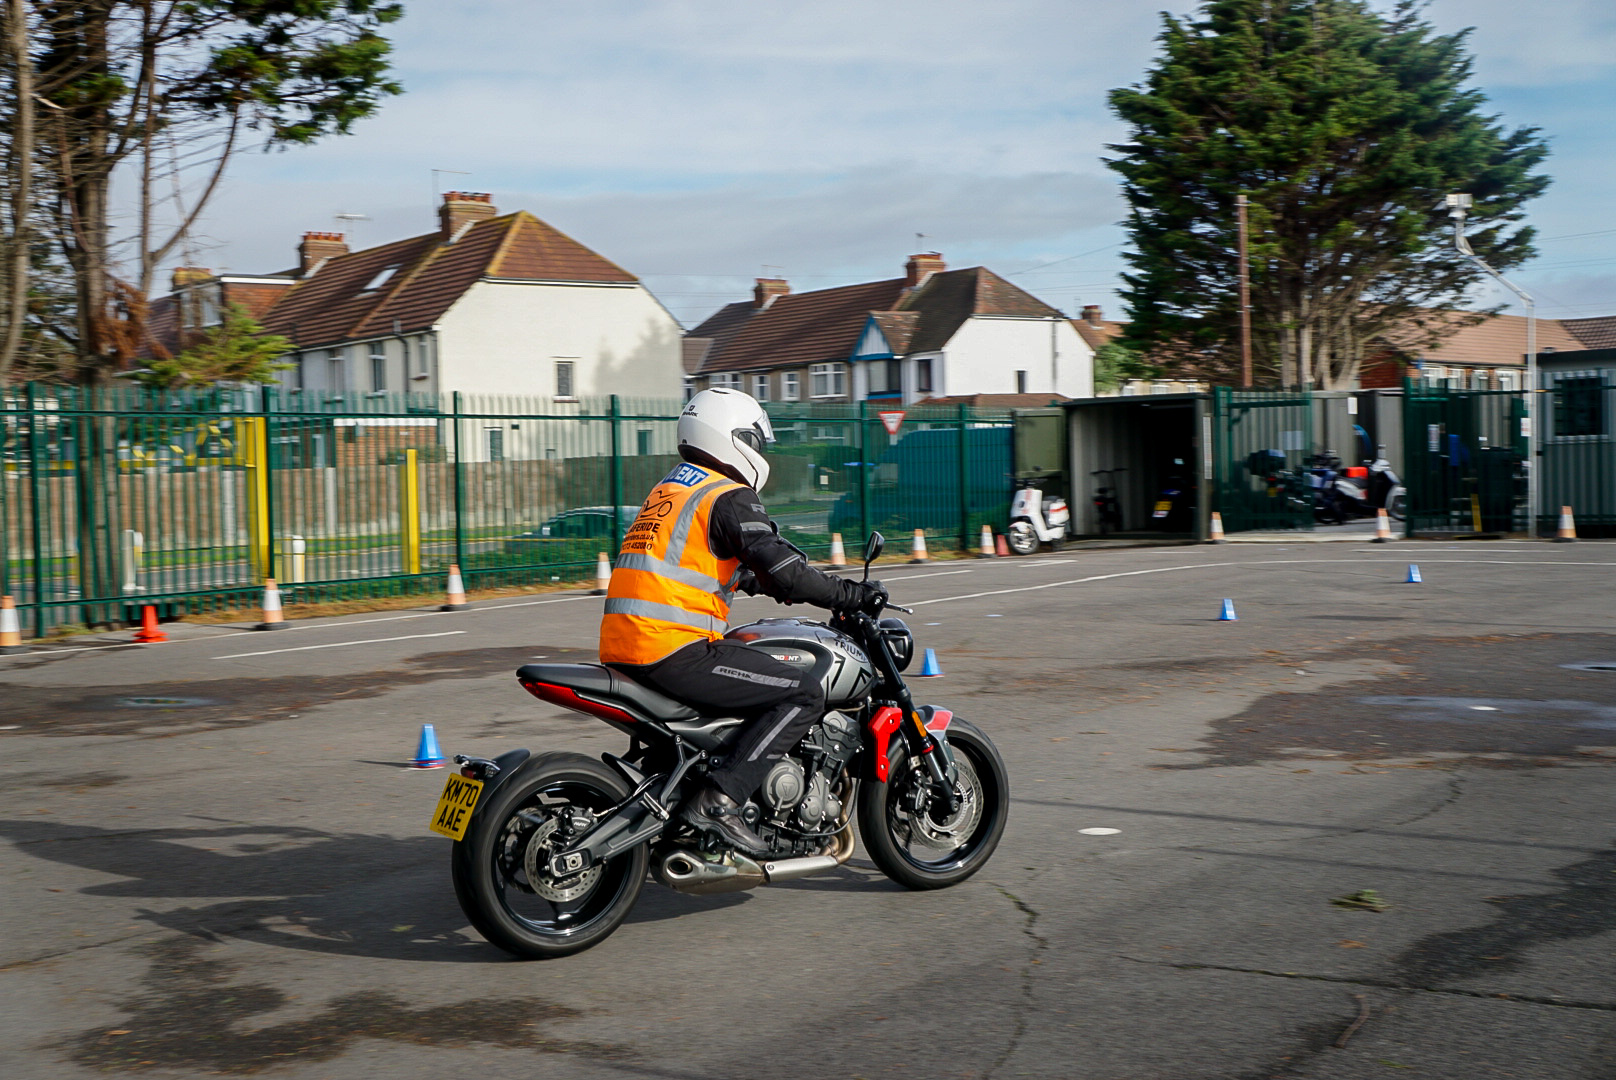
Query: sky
x,y
701,144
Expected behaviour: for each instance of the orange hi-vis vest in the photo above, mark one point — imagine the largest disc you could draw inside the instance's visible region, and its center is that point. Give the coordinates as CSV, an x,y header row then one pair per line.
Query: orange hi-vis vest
x,y
668,588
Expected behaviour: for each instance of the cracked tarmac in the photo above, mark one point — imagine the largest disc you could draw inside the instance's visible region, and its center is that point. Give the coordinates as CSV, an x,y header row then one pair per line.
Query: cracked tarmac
x,y
243,885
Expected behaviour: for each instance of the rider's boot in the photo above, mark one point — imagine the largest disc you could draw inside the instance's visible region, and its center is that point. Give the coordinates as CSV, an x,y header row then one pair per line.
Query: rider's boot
x,y
710,810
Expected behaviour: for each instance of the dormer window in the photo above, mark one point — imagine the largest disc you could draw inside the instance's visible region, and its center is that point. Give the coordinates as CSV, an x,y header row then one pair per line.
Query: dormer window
x,y
381,278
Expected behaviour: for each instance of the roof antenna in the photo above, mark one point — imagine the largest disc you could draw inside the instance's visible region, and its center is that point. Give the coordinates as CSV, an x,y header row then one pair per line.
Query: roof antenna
x,y
778,271
341,218
437,188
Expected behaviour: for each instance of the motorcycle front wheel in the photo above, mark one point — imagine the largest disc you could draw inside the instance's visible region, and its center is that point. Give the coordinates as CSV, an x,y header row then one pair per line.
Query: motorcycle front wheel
x,y
499,869
912,838
1397,504
1021,538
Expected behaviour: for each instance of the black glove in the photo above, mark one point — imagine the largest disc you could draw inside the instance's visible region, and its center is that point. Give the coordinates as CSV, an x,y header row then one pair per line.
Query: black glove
x,y
873,597
746,582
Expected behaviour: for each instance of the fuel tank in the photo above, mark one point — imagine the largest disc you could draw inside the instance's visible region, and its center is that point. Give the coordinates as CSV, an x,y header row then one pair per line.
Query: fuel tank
x,y
833,658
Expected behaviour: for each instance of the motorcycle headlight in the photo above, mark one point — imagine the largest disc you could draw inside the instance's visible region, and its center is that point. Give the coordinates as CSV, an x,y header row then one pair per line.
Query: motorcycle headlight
x,y
899,640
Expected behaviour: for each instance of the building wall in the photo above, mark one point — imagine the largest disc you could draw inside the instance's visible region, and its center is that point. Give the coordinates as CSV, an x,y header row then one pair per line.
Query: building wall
x,y
985,354
407,367
505,338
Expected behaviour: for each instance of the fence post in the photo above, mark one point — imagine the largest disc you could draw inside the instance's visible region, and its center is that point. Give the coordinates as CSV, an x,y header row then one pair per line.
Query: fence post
x,y
34,461
459,490
409,513
864,475
266,404
965,480
617,478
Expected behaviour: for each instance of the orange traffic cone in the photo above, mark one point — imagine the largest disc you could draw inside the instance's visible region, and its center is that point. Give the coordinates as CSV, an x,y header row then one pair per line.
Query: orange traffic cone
x,y
1568,527
1383,527
986,551
10,628
920,547
1216,536
273,619
457,590
1000,548
149,633
838,555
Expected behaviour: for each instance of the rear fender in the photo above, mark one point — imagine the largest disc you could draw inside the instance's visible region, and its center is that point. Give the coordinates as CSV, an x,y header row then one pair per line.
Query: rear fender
x,y
509,764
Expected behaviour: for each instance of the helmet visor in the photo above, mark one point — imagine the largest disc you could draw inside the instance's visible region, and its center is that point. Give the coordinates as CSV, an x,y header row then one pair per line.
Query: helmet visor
x,y
759,435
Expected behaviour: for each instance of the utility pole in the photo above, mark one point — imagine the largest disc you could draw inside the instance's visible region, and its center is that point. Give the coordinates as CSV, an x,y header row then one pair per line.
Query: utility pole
x,y
1458,208
1245,296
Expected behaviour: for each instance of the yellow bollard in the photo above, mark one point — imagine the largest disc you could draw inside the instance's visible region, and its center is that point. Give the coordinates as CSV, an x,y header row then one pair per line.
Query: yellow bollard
x,y
409,513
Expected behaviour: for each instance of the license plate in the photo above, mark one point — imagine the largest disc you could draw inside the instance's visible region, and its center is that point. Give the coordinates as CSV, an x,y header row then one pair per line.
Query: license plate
x,y
454,806
1162,509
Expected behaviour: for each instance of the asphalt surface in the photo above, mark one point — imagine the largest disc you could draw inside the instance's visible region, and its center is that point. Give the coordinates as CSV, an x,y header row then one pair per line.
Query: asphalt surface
x,y
213,862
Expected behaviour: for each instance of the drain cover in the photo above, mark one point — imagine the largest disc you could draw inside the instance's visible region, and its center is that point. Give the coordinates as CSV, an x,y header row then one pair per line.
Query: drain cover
x,y
1592,665
162,702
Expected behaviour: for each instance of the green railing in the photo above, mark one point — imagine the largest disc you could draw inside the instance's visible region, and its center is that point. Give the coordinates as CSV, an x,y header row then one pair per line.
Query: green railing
x,y
114,498
1463,459
1257,435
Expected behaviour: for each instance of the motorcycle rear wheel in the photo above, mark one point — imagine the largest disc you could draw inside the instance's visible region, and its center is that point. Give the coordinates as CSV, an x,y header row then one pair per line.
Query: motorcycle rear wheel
x,y
1397,505
544,918
921,852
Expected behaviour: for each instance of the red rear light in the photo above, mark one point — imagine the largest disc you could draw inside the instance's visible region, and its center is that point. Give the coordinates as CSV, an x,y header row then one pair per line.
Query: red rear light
x,y
569,699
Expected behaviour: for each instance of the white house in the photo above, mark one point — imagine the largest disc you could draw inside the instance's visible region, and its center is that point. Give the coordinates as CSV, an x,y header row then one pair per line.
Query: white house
x,y
932,333
486,304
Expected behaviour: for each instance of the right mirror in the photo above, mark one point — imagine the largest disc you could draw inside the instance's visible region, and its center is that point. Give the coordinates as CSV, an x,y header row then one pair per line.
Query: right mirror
x,y
873,546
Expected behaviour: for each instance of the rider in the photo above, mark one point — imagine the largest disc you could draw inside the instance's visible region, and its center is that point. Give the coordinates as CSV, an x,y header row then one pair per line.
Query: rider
x,y
702,535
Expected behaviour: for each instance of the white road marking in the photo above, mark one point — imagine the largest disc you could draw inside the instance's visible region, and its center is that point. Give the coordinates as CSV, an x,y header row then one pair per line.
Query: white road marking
x,y
917,577
1099,832
338,644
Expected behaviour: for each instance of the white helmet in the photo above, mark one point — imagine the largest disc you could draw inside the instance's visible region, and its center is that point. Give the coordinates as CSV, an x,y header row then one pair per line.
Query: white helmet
x,y
727,429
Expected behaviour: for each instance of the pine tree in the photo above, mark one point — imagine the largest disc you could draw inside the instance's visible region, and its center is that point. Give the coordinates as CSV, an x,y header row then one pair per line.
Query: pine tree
x,y
1345,128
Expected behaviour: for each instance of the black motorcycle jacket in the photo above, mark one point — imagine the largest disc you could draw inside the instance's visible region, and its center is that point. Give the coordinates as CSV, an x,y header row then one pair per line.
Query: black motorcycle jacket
x,y
739,528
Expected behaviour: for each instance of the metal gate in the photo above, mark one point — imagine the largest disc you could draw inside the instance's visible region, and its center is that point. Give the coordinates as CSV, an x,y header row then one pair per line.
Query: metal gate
x,y
1261,440
1464,455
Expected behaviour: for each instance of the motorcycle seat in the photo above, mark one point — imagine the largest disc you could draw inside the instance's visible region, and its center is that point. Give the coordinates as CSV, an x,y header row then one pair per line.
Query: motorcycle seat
x,y
606,686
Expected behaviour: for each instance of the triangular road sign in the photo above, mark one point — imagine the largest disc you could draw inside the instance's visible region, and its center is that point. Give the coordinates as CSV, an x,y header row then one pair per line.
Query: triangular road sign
x,y
892,421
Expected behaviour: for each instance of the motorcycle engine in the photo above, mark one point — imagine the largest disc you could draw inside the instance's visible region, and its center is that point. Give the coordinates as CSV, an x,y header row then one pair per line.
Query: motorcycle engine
x,y
796,791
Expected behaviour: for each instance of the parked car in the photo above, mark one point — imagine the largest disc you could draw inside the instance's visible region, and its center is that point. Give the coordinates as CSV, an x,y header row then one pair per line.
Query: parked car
x,y
582,523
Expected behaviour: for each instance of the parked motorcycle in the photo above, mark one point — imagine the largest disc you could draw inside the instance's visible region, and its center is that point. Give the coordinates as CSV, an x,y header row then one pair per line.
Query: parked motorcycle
x,y
1172,511
1341,493
551,850
1107,511
1036,520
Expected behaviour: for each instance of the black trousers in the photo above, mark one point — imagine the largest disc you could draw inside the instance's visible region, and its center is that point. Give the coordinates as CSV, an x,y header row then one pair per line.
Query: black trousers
x,y
726,678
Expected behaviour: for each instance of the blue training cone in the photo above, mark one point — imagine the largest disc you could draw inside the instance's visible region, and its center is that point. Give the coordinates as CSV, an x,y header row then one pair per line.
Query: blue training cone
x,y
1228,614
1413,575
427,754
928,666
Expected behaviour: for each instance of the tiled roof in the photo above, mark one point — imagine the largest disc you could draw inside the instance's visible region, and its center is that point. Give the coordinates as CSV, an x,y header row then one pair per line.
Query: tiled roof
x,y
162,327
692,351
805,328
1498,340
1597,333
1103,334
333,304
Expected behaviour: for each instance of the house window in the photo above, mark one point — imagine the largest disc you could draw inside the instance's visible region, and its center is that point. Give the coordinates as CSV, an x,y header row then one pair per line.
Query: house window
x,y
1579,406
690,387
378,371
886,377
564,384
642,441
294,377
1506,380
790,387
339,381
827,380
1021,382
923,376
496,443
760,387
725,380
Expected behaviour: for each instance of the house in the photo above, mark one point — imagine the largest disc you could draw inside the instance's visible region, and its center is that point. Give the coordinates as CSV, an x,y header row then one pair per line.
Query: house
x,y
1485,355
485,304
932,333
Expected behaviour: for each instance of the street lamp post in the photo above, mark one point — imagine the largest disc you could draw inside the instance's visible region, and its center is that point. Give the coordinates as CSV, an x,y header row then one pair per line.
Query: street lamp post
x,y
1458,208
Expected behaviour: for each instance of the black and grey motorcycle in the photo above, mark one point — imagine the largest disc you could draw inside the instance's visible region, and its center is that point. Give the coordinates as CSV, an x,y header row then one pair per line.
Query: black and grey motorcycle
x,y
551,850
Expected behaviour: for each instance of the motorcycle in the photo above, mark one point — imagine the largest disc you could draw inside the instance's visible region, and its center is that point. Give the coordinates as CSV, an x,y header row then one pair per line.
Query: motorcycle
x,y
1107,511
551,850
1372,486
1172,510
1036,520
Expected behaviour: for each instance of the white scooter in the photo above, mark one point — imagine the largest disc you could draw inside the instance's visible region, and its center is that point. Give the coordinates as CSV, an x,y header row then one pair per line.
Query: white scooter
x,y
1036,520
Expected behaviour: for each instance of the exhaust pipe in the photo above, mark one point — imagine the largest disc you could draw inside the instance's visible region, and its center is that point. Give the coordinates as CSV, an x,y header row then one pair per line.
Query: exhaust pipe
x,y
686,872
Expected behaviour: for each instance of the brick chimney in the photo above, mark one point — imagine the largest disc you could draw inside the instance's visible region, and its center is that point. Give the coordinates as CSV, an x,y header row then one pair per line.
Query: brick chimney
x,y
316,248
920,267
460,208
767,288
188,275
1091,314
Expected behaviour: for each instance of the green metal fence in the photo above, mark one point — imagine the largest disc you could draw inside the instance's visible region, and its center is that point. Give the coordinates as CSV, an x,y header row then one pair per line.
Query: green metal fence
x,y
1259,435
1463,459
1578,421
115,498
